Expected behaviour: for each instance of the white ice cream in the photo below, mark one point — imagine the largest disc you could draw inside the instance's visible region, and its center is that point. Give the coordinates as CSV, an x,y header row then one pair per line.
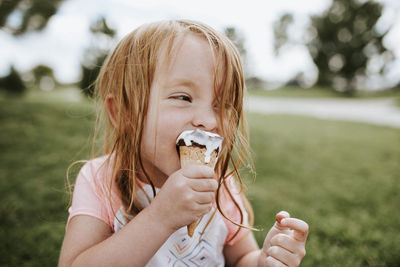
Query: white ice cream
x,y
211,141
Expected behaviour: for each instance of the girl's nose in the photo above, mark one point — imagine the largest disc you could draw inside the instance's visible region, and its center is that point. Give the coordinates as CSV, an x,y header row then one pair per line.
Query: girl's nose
x,y
205,119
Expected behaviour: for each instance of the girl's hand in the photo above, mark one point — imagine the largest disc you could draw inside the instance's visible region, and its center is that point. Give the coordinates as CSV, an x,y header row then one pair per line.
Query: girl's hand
x,y
285,242
186,196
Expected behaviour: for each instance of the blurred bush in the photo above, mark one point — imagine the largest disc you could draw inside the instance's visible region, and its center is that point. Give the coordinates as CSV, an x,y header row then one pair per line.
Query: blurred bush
x,y
103,37
21,16
12,83
43,77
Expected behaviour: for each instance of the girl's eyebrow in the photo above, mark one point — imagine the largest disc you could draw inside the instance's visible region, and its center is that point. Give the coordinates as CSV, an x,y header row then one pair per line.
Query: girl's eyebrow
x,y
183,82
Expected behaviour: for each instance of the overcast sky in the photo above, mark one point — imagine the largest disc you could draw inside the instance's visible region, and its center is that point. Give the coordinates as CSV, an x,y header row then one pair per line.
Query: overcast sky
x,y
62,44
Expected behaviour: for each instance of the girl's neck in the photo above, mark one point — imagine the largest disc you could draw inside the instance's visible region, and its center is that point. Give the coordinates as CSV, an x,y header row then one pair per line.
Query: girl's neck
x,y
154,176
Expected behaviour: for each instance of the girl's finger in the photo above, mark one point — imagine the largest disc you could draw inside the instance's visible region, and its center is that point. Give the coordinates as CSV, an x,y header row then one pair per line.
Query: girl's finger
x,y
204,185
271,261
278,227
282,255
279,217
290,244
285,241
198,171
204,197
204,208
299,227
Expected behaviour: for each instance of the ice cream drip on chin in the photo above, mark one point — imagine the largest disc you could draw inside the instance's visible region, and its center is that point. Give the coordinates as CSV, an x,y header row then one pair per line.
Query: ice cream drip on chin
x,y
211,141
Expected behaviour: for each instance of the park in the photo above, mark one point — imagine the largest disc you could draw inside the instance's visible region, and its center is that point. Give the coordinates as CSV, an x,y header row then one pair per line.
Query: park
x,y
339,173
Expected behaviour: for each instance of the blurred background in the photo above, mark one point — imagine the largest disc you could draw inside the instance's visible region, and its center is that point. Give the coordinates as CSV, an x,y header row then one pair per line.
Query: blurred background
x,y
323,102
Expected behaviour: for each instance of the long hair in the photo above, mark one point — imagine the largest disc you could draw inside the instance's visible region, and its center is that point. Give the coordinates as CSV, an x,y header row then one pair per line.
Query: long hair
x,y
128,74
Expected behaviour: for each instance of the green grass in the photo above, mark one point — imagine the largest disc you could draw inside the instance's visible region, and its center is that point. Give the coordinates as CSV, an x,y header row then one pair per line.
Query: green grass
x,y
38,140
342,178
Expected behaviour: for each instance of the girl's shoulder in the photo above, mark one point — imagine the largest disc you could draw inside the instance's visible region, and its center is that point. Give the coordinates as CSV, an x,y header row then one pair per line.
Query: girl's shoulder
x,y
94,193
96,175
95,169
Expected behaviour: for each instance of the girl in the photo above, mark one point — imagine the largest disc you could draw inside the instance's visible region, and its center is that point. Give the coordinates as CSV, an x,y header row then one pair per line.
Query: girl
x,y
131,206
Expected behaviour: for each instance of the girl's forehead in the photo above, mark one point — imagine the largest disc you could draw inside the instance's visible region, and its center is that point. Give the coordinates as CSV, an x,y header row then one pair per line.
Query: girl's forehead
x,y
179,52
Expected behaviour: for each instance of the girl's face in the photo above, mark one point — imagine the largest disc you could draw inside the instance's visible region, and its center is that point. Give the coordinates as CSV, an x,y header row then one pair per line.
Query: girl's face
x,y
181,98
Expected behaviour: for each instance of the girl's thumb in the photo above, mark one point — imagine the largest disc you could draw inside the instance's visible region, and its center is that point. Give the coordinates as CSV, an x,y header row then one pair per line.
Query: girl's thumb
x,y
276,229
279,217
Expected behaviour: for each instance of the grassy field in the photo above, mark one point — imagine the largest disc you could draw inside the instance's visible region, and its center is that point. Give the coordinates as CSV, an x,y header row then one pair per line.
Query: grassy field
x,y
342,178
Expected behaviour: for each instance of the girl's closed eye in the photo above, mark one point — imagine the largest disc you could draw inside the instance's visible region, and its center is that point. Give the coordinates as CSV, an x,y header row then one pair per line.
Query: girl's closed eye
x,y
183,97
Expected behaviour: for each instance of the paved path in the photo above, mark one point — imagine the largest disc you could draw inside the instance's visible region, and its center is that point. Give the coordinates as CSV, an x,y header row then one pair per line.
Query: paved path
x,y
374,111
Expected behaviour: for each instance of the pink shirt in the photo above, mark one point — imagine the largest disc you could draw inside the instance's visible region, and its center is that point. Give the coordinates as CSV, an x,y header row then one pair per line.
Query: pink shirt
x,y
92,196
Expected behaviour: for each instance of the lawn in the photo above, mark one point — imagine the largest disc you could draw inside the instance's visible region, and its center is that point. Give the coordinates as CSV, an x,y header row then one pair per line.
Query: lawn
x,y
341,177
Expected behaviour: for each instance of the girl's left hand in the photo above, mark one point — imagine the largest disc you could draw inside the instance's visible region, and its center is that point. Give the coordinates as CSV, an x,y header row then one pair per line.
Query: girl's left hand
x,y
285,242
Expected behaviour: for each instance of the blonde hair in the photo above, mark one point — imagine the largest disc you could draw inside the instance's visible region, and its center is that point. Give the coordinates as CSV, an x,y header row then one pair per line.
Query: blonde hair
x,y
128,74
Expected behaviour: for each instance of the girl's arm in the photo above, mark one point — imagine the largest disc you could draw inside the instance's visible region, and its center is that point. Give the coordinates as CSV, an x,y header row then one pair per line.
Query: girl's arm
x,y
89,242
243,253
184,198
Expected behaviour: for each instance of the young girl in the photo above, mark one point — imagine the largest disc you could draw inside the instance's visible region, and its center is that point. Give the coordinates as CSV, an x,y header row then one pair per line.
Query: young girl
x,y
131,206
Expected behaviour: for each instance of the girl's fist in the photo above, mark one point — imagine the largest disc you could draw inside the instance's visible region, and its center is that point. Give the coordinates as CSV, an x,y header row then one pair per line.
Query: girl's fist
x,y
285,242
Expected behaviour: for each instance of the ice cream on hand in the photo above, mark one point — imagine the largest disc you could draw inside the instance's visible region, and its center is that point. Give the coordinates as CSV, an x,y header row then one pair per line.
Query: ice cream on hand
x,y
200,148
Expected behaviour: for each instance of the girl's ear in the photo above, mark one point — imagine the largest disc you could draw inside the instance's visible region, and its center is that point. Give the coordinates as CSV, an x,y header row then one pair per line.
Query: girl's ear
x,y
112,110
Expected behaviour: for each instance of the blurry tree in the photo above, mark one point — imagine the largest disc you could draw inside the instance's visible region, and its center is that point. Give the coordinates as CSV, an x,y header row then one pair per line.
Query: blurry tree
x,y
281,31
43,77
238,40
255,82
297,80
21,16
42,70
12,83
344,43
95,55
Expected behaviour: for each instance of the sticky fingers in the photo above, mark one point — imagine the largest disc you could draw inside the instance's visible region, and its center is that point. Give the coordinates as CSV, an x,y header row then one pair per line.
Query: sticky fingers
x,y
204,197
271,261
204,185
285,242
198,171
282,215
299,227
284,256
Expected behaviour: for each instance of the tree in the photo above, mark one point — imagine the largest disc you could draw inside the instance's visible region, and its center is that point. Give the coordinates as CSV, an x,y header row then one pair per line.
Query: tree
x,y
12,83
238,40
280,31
43,77
21,16
96,54
343,42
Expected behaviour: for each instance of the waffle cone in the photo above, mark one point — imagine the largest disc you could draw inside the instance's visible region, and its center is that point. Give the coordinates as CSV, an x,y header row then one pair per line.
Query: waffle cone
x,y
195,155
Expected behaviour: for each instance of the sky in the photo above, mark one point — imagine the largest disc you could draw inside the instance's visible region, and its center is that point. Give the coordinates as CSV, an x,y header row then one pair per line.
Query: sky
x,y
62,44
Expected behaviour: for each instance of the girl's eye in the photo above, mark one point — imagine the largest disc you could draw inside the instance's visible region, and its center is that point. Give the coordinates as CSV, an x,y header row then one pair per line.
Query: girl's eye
x,y
183,98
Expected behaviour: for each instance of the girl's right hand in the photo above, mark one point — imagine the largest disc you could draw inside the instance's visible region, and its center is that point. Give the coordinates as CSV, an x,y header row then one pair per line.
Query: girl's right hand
x,y
186,196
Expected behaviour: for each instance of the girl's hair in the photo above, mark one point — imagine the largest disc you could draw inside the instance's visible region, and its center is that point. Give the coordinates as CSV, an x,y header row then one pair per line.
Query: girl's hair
x,y
128,74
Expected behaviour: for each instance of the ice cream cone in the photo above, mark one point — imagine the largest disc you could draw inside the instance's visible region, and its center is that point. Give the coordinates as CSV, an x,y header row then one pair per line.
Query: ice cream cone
x,y
194,151
195,155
